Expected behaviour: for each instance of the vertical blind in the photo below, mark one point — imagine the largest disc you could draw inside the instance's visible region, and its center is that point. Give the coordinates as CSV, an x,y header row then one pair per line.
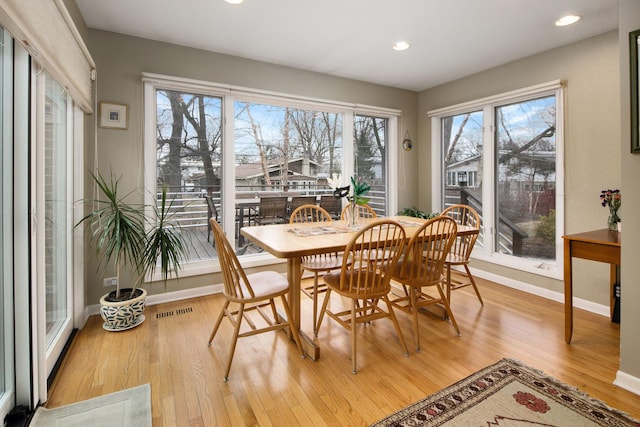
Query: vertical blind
x,y
49,34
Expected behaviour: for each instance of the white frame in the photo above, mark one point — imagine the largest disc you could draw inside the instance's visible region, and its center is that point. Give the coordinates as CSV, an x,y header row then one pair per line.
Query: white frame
x,y
487,105
152,82
114,116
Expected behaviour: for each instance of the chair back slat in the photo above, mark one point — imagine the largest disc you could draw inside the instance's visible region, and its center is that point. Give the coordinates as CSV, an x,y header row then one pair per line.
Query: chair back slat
x,y
370,258
309,213
467,216
236,284
423,261
361,211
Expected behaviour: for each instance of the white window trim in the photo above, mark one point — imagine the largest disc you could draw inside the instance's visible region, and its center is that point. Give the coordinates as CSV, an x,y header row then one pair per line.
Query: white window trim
x,y
230,94
487,105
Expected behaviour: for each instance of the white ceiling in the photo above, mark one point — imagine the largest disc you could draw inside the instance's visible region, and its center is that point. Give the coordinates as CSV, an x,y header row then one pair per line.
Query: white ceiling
x,y
353,38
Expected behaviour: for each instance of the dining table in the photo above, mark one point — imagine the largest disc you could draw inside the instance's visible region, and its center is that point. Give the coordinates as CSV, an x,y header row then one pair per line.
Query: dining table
x,y
294,241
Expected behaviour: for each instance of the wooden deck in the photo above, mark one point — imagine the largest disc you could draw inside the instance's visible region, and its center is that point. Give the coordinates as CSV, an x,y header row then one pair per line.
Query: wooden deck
x,y
201,248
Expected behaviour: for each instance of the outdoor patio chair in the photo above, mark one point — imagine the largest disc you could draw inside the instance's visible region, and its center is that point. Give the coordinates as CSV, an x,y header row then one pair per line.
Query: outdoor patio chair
x,y
331,205
272,210
212,212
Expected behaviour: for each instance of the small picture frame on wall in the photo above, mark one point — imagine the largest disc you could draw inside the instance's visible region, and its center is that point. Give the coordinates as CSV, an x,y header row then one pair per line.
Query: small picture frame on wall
x,y
113,116
634,56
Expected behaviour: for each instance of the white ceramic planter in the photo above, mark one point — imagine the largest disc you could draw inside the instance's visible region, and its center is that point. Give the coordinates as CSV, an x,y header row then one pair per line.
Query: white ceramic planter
x,y
122,315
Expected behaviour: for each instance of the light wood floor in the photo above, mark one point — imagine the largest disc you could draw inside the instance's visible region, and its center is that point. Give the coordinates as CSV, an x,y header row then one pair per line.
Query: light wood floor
x,y
271,385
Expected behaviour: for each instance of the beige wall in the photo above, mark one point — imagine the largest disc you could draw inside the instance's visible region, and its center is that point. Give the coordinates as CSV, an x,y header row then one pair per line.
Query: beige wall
x,y
591,70
121,60
629,20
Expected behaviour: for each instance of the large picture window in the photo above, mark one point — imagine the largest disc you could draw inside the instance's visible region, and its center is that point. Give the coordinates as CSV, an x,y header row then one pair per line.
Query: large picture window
x,y
227,154
503,157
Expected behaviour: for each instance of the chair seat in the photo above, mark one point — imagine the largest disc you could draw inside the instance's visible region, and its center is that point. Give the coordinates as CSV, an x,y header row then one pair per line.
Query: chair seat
x,y
333,281
455,259
266,284
413,273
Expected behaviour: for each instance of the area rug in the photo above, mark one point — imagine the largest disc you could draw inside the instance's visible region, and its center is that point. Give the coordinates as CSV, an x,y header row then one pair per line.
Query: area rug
x,y
126,408
508,394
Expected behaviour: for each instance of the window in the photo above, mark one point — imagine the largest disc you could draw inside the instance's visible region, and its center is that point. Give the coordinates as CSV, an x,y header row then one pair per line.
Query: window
x,y
6,272
503,156
220,151
370,164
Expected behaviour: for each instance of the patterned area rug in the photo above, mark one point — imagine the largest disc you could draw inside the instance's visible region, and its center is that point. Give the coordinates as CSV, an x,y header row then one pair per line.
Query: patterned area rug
x,y
508,394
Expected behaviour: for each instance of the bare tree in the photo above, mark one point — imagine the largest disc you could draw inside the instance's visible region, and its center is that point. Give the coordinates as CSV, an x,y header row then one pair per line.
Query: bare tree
x,y
259,141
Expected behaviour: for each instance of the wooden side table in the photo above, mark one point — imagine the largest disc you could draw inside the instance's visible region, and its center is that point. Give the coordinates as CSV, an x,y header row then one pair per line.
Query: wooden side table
x,y
598,245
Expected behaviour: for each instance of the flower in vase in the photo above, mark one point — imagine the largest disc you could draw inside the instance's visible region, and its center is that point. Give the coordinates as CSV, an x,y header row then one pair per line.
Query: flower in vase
x,y
355,193
612,199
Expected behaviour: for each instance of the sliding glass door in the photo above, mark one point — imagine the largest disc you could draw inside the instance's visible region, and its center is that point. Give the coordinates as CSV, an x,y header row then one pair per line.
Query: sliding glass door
x,y
53,179
7,375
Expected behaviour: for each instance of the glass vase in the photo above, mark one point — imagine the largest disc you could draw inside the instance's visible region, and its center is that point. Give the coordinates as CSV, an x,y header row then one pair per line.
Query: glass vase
x,y
613,219
350,216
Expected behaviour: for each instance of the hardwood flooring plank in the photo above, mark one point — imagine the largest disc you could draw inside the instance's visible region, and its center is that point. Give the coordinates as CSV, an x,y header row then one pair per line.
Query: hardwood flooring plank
x,y
270,384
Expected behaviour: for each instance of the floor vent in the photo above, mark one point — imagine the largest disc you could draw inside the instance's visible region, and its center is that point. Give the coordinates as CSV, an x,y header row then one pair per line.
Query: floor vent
x,y
171,313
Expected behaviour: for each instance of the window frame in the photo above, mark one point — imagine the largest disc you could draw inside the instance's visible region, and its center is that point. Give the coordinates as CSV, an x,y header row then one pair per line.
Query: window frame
x,y
229,95
487,105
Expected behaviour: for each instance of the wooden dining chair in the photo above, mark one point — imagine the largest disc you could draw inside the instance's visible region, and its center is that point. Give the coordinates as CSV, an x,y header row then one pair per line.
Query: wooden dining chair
x,y
319,263
421,270
362,211
460,253
366,280
252,292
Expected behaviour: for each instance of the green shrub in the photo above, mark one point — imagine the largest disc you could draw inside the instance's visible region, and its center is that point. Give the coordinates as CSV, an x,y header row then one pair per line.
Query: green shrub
x,y
546,229
417,213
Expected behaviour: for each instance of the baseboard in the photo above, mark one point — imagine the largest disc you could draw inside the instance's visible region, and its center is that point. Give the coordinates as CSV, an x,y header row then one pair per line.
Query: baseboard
x,y
171,296
627,382
592,307
589,306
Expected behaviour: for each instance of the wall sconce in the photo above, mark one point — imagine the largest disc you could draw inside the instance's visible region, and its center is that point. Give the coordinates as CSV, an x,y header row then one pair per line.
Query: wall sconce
x,y
407,144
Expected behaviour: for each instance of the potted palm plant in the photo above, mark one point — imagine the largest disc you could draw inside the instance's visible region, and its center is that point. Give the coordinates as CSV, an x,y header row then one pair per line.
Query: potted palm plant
x,y
126,237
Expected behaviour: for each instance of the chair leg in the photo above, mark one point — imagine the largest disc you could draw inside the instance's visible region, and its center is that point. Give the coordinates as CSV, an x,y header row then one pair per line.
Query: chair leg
x,y
234,340
353,336
473,283
325,303
315,304
392,314
414,310
218,321
447,308
292,326
448,282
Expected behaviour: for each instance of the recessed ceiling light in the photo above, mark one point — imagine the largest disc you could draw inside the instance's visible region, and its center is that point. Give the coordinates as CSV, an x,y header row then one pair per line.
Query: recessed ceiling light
x,y
401,46
234,1
567,20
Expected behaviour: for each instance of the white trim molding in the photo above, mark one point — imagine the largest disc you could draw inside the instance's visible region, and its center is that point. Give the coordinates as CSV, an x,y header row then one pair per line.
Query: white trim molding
x,y
627,382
